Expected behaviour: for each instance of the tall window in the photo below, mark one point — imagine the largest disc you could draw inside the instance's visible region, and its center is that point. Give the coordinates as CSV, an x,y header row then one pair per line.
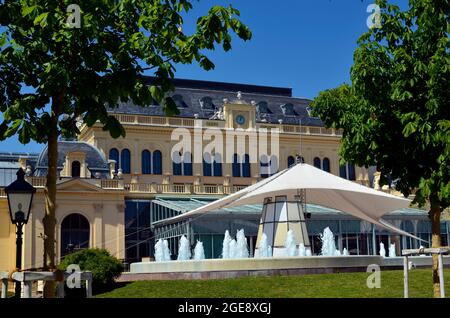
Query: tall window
x,y
217,165
290,161
326,164
207,165
347,171
157,162
76,168
236,166
241,168
182,164
246,167
125,161
146,162
264,166
187,164
177,164
317,163
212,165
268,167
114,155
74,233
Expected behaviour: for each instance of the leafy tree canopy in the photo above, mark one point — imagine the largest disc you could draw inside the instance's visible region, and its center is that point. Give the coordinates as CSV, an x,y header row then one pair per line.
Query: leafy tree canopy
x,y
45,60
396,114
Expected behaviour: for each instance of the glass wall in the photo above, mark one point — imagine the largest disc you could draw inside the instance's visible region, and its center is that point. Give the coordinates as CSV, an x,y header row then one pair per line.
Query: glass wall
x,y
138,236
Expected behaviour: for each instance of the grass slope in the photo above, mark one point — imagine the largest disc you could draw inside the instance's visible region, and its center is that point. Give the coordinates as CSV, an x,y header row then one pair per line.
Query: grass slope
x,y
341,285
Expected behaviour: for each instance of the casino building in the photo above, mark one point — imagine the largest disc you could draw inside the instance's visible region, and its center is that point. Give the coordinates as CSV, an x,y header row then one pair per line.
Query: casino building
x,y
120,194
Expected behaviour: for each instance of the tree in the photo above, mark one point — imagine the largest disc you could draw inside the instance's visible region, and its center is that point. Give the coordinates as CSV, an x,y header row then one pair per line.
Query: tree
x,y
69,59
396,113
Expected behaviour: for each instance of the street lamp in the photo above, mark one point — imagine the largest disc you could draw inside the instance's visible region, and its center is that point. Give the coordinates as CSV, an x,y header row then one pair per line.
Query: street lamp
x,y
20,195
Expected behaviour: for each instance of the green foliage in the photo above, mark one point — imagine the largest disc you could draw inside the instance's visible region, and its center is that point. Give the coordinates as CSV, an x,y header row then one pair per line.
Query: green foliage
x,y
43,60
104,267
396,114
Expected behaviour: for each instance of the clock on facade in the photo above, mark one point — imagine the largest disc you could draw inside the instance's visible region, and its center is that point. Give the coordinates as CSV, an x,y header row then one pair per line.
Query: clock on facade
x,y
240,120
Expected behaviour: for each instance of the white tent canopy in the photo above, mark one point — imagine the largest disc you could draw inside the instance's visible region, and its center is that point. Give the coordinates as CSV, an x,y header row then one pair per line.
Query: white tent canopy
x,y
321,188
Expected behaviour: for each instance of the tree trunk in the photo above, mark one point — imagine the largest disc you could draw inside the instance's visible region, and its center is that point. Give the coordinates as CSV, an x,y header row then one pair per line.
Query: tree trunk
x,y
435,216
49,220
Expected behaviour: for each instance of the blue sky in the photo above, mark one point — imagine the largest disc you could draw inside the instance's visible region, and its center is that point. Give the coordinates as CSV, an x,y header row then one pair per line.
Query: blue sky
x,y
307,45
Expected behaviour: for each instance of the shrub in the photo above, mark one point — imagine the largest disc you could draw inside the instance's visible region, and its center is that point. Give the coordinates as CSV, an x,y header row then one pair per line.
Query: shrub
x,y
104,267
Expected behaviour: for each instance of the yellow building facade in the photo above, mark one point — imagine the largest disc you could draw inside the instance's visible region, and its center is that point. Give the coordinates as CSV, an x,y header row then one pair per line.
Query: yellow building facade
x,y
101,177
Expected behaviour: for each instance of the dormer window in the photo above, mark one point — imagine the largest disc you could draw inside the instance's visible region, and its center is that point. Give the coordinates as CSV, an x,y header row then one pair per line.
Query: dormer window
x,y
178,100
76,169
263,108
288,109
206,103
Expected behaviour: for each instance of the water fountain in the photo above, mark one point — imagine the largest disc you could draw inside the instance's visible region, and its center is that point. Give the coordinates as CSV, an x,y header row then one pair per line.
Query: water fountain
x,y
392,252
241,245
308,252
301,250
328,243
184,250
226,245
345,252
199,252
382,250
162,251
233,248
269,251
290,245
264,247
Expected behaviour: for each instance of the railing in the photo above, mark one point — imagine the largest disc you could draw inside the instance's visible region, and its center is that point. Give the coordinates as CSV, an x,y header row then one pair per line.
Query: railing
x,y
111,184
27,278
191,123
38,182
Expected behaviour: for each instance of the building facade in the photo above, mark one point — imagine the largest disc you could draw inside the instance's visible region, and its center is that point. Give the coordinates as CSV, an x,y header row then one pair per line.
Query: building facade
x,y
119,193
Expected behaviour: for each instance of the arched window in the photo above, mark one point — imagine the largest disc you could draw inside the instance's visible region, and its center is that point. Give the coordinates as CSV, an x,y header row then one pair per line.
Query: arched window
x,y
74,233
246,167
273,164
347,171
207,166
268,167
125,161
343,171
317,163
114,155
351,171
187,164
326,164
176,164
236,166
217,165
157,162
146,162
264,166
290,161
76,168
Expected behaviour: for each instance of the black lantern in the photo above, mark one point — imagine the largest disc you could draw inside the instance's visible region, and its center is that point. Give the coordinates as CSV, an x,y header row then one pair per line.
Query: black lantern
x,y
20,195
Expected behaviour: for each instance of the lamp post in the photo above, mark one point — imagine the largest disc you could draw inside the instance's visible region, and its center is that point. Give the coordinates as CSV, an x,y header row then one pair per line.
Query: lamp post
x,y
20,195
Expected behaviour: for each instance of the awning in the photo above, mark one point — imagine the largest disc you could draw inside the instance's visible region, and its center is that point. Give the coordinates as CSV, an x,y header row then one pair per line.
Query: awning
x,y
321,188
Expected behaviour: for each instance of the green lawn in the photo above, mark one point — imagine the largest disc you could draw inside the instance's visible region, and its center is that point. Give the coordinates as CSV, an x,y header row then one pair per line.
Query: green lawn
x,y
320,285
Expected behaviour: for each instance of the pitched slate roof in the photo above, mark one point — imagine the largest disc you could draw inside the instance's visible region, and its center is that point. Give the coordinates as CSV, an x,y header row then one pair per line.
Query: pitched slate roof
x,y
204,98
96,162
